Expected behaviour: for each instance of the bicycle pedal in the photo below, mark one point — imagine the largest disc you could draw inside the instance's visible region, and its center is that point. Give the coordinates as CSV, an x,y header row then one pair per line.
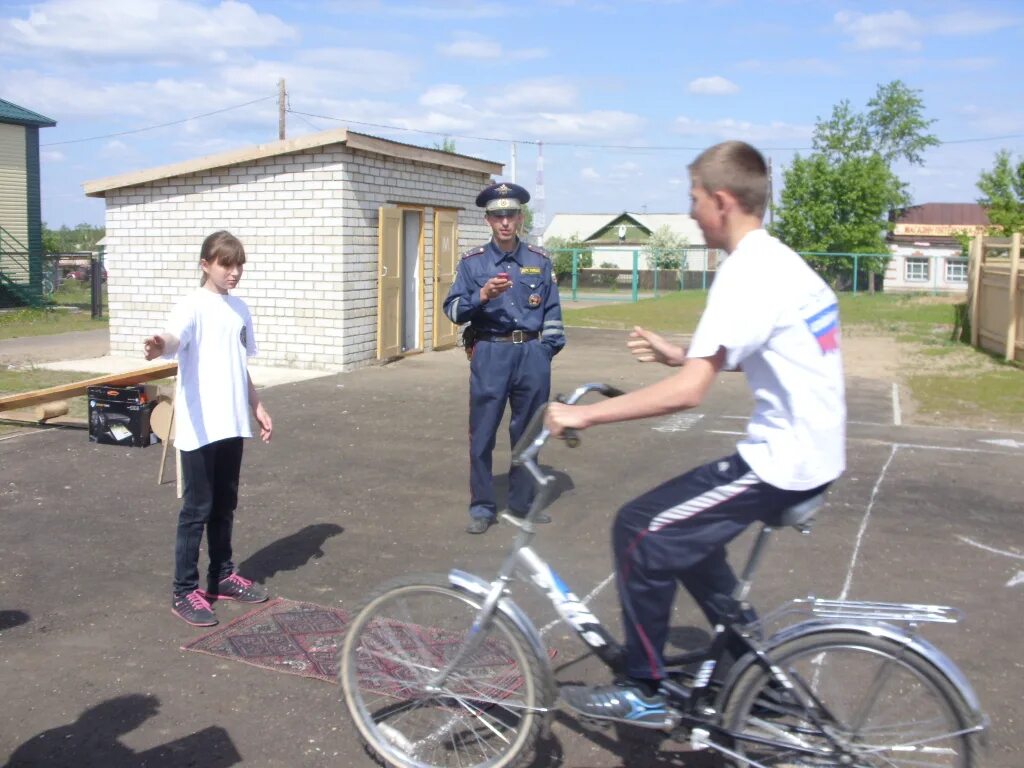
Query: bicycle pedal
x,y
594,724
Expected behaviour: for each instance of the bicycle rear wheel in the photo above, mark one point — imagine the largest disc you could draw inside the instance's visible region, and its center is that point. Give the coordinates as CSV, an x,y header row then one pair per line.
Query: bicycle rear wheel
x,y
879,703
487,712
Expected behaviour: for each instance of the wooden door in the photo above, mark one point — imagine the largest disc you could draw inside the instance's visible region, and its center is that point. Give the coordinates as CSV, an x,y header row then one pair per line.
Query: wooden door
x,y
446,256
389,283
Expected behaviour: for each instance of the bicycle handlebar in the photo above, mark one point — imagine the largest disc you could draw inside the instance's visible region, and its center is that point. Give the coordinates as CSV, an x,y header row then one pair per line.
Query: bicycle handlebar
x,y
535,436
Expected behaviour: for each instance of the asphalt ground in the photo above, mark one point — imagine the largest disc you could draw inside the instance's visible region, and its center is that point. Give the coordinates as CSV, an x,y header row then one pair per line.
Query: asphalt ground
x,y
366,480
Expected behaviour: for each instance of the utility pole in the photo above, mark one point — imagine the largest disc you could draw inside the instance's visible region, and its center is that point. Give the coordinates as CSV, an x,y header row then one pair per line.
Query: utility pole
x,y
281,96
539,217
512,164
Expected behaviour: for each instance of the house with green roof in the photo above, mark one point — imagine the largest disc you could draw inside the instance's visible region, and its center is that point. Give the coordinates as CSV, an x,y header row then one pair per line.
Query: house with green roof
x,y
21,224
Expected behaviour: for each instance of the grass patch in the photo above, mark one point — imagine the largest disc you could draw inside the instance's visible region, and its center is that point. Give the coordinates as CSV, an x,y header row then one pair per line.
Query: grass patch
x,y
966,385
992,396
15,381
44,322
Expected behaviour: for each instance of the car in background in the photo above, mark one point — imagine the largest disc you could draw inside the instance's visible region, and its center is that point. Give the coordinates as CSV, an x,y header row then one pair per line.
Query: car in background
x,y
85,273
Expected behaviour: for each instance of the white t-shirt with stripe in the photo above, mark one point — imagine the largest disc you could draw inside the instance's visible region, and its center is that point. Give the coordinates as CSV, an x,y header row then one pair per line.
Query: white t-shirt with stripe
x,y
779,322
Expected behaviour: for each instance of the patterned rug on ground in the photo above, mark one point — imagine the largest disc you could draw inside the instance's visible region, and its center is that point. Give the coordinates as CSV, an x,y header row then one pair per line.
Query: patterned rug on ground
x,y
284,635
305,639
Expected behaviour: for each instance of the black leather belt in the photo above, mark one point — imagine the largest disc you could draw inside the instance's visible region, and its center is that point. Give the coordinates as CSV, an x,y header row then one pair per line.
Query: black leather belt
x,y
516,337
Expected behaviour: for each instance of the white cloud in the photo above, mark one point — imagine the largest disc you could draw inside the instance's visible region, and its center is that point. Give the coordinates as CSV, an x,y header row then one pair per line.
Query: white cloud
x,y
589,174
900,30
891,29
51,156
473,46
582,126
712,86
327,72
435,121
155,30
435,10
442,95
730,128
535,94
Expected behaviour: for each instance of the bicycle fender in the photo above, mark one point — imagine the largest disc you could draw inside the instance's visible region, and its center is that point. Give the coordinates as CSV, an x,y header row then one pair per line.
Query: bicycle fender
x,y
474,585
939,660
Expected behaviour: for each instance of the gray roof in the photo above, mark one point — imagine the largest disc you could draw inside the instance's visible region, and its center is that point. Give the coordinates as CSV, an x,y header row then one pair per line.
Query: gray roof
x,y
12,113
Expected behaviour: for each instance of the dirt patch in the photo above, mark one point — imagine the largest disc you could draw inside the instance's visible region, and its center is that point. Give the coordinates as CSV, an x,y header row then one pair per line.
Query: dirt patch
x,y
872,357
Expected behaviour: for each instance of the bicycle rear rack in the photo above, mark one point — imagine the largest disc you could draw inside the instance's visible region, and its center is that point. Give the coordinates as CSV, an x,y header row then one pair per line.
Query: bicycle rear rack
x,y
910,613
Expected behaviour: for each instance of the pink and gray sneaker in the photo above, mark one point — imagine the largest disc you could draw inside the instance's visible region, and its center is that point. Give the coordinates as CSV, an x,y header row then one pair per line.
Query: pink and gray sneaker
x,y
236,587
193,609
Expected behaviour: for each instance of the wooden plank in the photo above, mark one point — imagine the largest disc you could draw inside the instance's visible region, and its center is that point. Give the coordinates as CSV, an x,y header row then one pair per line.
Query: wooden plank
x,y
974,287
1012,309
76,388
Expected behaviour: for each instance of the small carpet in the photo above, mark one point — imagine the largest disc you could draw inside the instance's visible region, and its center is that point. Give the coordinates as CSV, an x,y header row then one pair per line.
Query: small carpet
x,y
305,639
284,635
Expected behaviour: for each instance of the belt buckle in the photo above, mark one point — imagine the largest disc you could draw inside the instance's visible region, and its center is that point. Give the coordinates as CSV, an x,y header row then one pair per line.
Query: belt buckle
x,y
518,337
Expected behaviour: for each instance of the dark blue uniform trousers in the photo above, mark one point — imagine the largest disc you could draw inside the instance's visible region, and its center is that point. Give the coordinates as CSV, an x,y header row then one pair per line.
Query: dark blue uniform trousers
x,y
502,372
677,533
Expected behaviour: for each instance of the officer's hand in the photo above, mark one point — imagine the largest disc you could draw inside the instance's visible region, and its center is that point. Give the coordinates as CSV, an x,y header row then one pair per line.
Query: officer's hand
x,y
560,417
649,347
494,287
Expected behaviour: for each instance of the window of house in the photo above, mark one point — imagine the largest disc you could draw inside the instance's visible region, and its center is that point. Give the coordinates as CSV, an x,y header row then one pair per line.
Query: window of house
x,y
916,270
956,270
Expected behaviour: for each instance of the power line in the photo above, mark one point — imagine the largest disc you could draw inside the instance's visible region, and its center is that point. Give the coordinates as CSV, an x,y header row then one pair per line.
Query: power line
x,y
161,125
584,145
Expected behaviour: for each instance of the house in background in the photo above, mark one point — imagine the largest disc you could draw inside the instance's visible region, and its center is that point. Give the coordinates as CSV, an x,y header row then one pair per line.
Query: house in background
x,y
352,243
21,224
926,254
614,237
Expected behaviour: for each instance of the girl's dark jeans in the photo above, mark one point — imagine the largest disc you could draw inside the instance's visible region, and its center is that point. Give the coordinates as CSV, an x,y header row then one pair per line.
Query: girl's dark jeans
x,y
210,476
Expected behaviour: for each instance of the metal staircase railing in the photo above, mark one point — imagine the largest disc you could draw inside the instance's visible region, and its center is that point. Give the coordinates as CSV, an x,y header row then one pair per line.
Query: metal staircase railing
x,y
16,271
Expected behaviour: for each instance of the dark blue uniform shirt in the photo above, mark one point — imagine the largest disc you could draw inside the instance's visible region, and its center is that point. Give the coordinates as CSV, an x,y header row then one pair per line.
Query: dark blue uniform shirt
x,y
530,305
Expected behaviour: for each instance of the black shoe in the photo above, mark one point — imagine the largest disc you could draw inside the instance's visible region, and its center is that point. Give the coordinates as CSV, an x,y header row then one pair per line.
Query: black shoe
x,y
540,519
480,524
621,703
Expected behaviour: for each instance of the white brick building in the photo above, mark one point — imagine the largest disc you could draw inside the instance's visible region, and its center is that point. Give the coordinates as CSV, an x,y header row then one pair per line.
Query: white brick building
x,y
331,223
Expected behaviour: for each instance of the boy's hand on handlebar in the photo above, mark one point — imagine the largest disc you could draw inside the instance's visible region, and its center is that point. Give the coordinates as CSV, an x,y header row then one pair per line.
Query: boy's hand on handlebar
x,y
560,417
649,347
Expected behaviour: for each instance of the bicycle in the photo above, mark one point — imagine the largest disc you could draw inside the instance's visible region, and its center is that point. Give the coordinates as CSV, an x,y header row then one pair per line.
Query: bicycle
x,y
448,670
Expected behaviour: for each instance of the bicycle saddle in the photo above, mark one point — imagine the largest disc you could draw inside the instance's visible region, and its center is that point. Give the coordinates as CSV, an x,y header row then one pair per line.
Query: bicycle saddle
x,y
799,515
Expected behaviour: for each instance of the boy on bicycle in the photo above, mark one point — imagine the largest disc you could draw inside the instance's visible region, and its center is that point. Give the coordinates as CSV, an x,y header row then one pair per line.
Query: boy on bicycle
x,y
771,316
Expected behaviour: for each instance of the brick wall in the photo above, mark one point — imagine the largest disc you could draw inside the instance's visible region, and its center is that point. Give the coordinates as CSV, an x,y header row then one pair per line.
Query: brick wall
x,y
309,225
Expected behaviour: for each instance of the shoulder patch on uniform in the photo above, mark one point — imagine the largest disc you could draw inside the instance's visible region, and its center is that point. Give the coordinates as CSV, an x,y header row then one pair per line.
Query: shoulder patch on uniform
x,y
538,250
474,251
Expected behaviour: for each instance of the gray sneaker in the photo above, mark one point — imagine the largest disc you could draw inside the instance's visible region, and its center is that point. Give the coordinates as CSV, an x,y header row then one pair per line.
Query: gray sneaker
x,y
621,703
236,587
193,609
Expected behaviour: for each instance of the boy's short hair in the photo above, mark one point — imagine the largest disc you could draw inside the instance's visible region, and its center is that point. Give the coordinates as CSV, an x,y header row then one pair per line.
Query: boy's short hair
x,y
222,248
737,168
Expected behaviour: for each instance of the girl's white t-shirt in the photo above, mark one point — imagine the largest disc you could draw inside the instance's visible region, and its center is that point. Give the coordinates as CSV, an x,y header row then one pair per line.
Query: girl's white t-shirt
x,y
216,339
779,322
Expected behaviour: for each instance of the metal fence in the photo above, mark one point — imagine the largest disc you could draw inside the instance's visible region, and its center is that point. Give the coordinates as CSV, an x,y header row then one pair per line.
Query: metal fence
x,y
640,274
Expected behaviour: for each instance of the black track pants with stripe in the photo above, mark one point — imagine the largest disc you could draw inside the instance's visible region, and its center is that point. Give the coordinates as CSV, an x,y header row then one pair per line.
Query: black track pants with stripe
x,y
677,532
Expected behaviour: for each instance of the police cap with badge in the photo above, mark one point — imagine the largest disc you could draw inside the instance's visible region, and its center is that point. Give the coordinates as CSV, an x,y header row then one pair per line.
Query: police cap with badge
x,y
503,198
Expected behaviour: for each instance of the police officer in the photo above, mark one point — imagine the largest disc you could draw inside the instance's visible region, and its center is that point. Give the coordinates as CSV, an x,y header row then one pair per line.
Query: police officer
x,y
506,290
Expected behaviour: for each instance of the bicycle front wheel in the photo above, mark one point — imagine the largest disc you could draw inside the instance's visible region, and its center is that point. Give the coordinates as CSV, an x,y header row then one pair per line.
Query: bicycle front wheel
x,y
413,707
873,703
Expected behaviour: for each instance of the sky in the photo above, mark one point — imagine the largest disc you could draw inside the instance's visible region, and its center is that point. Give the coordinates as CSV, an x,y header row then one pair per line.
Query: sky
x,y
618,96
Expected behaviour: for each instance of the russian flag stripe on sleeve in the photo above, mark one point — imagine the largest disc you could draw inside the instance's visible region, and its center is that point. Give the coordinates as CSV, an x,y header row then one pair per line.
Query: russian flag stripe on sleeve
x,y
825,327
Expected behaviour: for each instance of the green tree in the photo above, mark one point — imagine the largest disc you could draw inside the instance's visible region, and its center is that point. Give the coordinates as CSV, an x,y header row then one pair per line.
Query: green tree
x,y
665,249
447,145
561,250
840,198
84,237
1002,190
